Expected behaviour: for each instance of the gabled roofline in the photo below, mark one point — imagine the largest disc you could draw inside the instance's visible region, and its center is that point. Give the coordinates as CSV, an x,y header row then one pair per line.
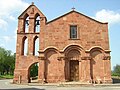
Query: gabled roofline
x,y
78,13
27,9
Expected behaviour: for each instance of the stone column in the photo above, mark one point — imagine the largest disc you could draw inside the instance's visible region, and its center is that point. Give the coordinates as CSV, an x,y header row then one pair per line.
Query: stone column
x,y
107,70
41,70
30,45
62,69
80,69
86,68
66,69
89,71
21,26
30,36
31,25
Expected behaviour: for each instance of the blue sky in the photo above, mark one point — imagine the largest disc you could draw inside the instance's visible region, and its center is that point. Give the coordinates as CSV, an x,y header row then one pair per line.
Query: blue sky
x,y
101,10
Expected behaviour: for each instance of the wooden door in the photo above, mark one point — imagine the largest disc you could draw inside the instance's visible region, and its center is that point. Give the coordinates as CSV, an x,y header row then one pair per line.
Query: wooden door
x,y
74,70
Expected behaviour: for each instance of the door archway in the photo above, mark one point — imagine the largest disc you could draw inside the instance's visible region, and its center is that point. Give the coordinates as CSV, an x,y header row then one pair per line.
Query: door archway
x,y
72,65
33,73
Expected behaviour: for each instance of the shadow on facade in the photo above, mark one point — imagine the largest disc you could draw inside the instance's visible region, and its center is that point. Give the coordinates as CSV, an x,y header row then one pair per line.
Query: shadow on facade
x,y
92,62
47,62
65,71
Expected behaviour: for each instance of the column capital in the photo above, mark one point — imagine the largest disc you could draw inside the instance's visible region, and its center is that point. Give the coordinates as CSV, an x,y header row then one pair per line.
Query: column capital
x,y
106,57
86,58
60,58
41,57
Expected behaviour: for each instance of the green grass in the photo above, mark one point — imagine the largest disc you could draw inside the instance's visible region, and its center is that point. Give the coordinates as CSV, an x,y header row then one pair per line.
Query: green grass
x,y
6,76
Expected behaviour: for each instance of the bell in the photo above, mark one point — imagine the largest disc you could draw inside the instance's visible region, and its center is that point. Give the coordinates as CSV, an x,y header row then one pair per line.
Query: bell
x,y
37,22
27,22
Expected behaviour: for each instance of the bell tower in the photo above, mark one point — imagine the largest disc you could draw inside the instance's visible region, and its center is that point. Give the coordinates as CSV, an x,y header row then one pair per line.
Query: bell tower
x,y
30,24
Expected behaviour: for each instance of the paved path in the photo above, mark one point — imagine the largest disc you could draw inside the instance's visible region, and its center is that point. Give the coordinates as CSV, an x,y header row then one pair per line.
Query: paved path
x,y
5,85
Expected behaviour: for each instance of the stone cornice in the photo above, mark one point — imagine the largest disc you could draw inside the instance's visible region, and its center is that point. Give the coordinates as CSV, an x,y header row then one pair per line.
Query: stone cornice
x,y
41,57
106,51
106,57
86,58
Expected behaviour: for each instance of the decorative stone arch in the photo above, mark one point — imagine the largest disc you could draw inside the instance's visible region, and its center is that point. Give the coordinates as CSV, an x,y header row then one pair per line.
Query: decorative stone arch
x,y
32,63
23,45
73,44
25,16
36,15
29,68
73,55
96,48
50,48
51,64
75,47
97,51
97,54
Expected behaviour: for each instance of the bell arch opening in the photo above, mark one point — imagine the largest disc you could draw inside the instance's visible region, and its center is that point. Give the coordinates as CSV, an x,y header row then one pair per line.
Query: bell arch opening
x,y
24,46
26,24
37,23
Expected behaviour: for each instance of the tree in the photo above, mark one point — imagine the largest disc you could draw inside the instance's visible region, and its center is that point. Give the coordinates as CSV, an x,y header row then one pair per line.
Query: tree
x,y
2,59
7,61
34,70
116,70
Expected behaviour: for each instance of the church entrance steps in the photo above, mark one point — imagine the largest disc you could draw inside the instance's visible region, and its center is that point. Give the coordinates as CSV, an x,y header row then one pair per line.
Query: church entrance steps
x,y
61,84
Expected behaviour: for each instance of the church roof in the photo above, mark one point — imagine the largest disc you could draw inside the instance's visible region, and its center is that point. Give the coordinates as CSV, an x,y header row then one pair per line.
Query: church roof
x,y
77,13
73,11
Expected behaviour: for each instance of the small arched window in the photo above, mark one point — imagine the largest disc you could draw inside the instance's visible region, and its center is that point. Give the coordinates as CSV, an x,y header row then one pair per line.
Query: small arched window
x,y
36,46
37,24
27,24
24,46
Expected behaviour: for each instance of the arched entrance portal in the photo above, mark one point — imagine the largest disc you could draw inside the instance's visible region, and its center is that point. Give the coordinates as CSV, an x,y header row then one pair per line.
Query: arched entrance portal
x,y
96,65
33,73
72,65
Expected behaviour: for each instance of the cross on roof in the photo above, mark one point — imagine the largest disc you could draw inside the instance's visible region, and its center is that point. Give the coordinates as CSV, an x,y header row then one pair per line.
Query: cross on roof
x,y
73,8
32,3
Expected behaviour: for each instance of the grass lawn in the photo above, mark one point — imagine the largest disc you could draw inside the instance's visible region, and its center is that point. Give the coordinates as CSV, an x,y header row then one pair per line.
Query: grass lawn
x,y
6,76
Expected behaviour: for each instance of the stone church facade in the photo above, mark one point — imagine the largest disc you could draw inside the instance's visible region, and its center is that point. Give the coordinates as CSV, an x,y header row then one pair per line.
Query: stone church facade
x,y
72,47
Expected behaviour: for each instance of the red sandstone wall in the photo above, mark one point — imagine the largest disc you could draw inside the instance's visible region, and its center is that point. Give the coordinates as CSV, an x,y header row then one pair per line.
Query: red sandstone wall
x,y
90,32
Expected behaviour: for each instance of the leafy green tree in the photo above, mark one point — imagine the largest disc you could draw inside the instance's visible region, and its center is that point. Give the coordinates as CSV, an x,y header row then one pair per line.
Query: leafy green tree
x,y
116,70
7,61
2,59
34,70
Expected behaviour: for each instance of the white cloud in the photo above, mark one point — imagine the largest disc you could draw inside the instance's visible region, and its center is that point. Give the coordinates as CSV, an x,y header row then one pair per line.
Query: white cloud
x,y
10,8
12,18
15,32
10,38
111,17
7,38
3,24
2,45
